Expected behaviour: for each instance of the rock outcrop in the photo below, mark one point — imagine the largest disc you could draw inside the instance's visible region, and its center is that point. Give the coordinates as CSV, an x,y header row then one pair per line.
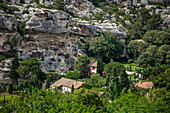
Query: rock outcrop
x,y
49,34
164,13
82,8
136,2
8,31
48,38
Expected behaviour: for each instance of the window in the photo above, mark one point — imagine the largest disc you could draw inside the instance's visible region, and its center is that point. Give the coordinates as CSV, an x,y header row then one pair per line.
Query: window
x,y
93,68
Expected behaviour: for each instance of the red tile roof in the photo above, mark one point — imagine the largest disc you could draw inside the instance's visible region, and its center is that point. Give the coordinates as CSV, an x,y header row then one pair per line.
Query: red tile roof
x,y
145,85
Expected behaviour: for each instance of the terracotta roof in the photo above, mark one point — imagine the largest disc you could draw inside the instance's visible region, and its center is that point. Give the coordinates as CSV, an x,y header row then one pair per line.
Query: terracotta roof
x,y
145,85
93,63
68,83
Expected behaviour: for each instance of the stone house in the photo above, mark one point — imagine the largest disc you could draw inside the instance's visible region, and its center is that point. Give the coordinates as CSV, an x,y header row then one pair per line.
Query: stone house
x,y
66,84
93,66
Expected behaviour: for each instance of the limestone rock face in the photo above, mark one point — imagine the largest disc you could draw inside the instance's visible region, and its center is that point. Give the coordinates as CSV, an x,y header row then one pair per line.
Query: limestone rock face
x,y
48,38
136,2
82,8
53,21
98,26
56,52
8,30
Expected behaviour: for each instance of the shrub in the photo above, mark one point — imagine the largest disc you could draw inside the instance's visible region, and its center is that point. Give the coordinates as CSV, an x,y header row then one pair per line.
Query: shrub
x,y
21,29
25,12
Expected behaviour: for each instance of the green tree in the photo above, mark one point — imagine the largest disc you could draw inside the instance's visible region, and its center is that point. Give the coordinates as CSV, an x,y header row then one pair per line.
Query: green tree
x,y
154,22
100,67
117,78
114,69
145,60
10,88
162,80
158,93
13,72
134,103
143,15
48,82
72,88
136,48
87,97
153,51
114,87
157,37
124,81
168,57
136,30
107,45
163,52
115,46
30,73
72,75
81,66
99,46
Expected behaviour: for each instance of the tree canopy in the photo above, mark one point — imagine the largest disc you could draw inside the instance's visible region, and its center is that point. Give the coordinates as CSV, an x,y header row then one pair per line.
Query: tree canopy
x,y
81,66
136,48
107,45
157,37
30,72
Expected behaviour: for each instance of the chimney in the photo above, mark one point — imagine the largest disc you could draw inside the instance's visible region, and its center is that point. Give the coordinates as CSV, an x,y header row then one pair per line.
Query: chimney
x,y
140,82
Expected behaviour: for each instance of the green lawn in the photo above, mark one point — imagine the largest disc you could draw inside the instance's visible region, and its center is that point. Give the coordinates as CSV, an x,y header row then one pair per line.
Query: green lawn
x,y
134,66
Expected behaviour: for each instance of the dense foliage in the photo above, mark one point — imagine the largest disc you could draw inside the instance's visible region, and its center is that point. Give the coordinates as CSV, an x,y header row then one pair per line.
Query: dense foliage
x,y
81,66
30,73
107,45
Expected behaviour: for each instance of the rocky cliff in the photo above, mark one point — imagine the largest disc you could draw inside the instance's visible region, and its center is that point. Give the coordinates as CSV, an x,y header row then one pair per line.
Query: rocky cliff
x,y
48,34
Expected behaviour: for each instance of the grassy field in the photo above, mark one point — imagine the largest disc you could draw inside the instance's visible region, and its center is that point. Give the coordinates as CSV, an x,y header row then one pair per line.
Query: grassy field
x,y
134,66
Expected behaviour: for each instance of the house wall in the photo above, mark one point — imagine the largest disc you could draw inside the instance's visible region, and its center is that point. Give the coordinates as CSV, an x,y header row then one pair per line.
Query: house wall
x,y
93,69
64,88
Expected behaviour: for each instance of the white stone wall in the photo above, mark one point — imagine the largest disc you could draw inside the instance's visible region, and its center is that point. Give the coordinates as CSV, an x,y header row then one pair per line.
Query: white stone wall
x,y
64,88
93,69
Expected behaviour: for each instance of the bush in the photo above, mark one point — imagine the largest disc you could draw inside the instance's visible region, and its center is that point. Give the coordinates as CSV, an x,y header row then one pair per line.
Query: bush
x,y
25,12
130,61
21,29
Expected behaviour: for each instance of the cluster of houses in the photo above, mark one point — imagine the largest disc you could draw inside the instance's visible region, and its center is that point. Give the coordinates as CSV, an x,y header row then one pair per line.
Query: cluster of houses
x,y
66,84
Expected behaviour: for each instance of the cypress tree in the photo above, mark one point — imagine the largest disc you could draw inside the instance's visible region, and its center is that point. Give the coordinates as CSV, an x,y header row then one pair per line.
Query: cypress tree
x,y
72,88
10,89
13,73
100,67
48,82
